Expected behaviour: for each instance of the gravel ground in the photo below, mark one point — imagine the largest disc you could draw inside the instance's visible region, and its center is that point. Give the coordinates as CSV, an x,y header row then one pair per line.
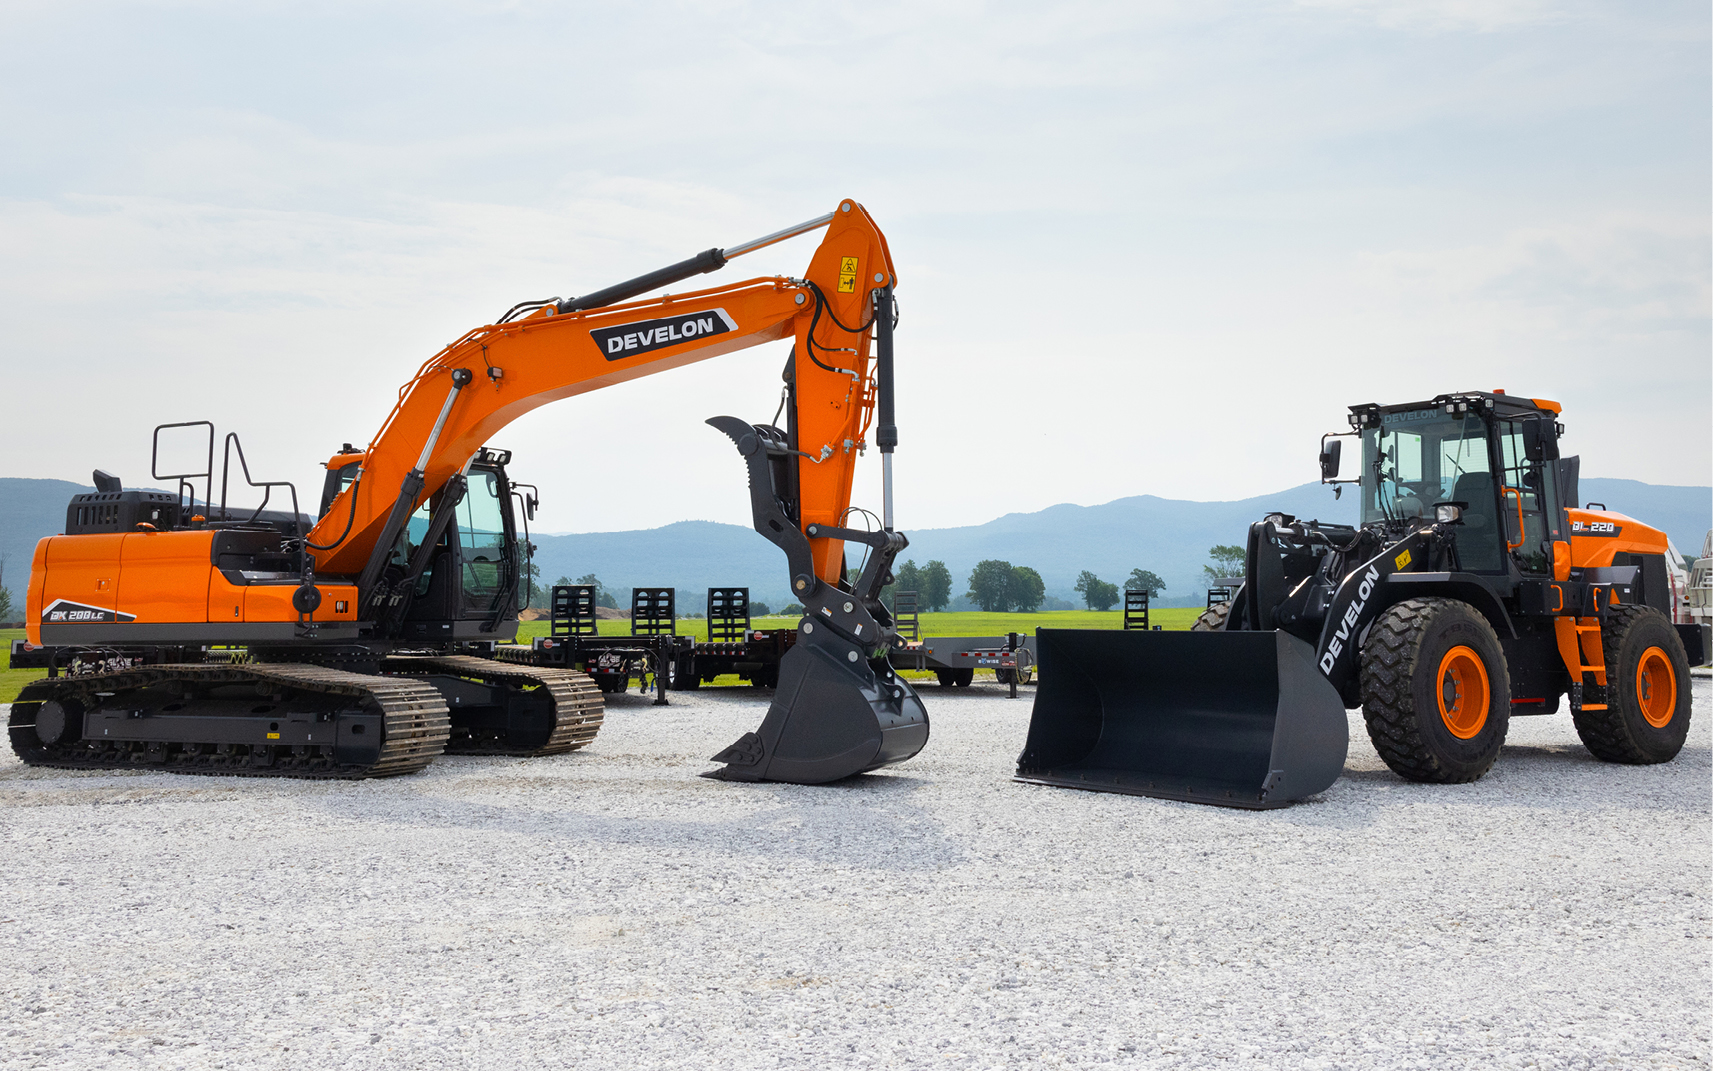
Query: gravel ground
x,y
611,909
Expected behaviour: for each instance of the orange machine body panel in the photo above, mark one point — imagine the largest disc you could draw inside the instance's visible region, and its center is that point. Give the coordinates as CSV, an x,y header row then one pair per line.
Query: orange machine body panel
x,y
157,578
73,578
1596,537
165,575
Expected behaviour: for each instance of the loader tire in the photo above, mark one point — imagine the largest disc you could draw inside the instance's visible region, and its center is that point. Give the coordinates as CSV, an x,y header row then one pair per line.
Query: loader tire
x,y
1647,693
1436,694
1213,618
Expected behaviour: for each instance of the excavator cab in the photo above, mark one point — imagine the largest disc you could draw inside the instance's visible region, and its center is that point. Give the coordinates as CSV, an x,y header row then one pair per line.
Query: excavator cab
x,y
457,570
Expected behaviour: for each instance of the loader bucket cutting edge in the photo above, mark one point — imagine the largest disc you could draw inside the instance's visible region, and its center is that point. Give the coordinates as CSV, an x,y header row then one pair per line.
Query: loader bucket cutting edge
x,y
1238,719
830,718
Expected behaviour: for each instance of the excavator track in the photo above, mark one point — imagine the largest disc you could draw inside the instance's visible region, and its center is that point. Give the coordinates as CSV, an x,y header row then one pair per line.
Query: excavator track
x,y
577,708
412,716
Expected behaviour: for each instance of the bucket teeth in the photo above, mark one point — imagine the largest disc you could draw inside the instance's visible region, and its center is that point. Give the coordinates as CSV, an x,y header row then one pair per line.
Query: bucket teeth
x,y
746,752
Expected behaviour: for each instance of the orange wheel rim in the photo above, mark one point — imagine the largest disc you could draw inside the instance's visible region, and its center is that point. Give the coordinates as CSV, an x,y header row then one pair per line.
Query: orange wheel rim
x,y
1656,688
1464,694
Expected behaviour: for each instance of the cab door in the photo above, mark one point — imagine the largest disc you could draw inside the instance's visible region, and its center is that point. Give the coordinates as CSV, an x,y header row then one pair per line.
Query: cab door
x,y
1528,496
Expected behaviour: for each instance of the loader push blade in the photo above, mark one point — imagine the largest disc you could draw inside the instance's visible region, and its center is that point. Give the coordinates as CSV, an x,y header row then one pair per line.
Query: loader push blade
x,y
831,717
1239,719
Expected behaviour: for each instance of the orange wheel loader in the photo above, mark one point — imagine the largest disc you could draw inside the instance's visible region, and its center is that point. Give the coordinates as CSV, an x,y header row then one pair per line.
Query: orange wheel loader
x,y
179,634
1473,590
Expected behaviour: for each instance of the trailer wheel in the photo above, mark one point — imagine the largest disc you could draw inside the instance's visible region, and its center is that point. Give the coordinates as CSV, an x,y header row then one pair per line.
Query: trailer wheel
x,y
1647,694
1213,618
946,677
1436,694
963,678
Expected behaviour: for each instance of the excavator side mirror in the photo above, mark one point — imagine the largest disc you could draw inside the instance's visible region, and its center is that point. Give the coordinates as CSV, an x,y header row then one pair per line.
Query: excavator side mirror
x,y
529,504
1329,454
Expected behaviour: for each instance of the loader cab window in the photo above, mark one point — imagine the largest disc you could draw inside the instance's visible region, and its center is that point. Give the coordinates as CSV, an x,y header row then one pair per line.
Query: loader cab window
x,y
482,540
1420,457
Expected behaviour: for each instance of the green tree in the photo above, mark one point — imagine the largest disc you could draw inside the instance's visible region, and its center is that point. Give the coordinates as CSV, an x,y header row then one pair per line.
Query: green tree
x,y
936,585
1143,580
5,605
905,577
1226,561
603,597
1026,589
1097,594
990,585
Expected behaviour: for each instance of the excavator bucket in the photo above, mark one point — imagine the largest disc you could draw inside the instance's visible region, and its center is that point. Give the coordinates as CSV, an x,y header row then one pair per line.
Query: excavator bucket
x,y
1239,719
830,718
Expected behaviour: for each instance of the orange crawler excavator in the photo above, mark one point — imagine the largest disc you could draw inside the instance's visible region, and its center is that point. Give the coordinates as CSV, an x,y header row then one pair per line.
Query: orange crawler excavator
x,y
183,635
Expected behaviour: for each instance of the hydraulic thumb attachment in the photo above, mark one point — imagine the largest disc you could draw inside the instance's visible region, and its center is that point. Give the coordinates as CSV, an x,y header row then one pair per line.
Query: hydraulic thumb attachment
x,y
839,708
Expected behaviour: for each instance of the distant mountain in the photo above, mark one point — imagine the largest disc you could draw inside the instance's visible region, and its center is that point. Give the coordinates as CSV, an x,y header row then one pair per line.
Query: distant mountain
x,y
1167,536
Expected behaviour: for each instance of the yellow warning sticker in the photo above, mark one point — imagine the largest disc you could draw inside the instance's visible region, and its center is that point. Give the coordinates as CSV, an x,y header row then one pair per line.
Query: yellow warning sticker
x,y
847,275
273,736
847,284
847,265
1402,560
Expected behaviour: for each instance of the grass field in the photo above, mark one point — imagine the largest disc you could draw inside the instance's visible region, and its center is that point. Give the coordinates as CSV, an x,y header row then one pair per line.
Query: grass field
x,y
961,624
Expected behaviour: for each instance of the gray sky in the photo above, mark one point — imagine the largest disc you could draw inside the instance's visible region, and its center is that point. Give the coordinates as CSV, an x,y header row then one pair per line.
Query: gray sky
x,y
1142,248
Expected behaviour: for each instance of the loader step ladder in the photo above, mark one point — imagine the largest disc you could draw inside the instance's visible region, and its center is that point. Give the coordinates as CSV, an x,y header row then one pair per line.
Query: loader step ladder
x,y
653,612
728,615
572,610
1135,611
905,617
1585,626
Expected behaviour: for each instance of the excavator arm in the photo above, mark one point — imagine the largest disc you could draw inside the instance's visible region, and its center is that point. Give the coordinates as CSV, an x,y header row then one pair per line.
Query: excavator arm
x,y
839,708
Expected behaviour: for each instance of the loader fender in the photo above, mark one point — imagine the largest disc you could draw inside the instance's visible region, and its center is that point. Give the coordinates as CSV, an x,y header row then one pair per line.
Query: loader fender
x,y
1360,598
1464,587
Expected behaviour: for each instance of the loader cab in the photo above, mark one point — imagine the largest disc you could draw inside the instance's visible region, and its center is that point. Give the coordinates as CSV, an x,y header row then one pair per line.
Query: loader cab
x,y
1493,456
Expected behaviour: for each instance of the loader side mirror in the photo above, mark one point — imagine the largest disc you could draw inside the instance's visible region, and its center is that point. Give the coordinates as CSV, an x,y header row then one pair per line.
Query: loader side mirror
x,y
1329,455
1535,440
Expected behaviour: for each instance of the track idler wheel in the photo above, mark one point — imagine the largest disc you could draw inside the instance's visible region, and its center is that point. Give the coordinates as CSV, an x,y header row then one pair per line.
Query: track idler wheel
x,y
835,713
